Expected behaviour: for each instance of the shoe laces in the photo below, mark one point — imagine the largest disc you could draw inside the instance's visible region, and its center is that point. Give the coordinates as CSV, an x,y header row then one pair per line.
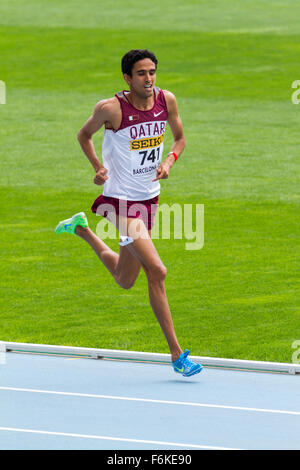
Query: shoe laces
x,y
187,362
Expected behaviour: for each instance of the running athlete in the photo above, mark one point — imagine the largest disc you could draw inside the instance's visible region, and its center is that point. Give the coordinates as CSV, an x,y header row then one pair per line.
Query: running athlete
x,y
132,168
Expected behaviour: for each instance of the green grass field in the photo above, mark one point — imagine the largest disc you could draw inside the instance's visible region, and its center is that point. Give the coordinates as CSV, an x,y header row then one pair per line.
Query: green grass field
x,y
231,65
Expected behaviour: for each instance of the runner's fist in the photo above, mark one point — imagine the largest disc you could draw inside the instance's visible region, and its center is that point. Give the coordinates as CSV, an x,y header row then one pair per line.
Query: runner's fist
x,y
101,177
162,171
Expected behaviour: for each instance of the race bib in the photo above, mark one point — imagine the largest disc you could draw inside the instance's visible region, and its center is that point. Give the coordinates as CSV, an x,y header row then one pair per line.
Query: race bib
x,y
146,155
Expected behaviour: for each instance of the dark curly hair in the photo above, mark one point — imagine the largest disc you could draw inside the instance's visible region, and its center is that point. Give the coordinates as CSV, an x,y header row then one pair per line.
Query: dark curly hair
x,y
133,56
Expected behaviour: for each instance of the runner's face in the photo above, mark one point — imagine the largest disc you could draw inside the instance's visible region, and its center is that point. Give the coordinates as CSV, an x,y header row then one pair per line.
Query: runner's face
x,y
143,78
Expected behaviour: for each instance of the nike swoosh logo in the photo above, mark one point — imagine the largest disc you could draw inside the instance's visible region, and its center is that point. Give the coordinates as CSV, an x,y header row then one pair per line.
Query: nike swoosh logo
x,y
179,370
67,225
157,114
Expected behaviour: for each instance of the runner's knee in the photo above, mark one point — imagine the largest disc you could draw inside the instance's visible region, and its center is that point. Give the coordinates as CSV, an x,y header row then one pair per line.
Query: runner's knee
x,y
126,283
157,272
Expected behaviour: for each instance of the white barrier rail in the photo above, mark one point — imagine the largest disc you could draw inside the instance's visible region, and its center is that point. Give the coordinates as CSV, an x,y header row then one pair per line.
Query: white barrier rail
x,y
233,364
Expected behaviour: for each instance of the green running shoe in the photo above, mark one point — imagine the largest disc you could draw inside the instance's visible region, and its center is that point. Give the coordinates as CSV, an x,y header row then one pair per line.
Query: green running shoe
x,y
69,225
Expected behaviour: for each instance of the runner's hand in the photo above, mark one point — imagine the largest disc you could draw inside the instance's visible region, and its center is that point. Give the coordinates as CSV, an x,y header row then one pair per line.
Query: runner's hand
x,y
162,171
101,177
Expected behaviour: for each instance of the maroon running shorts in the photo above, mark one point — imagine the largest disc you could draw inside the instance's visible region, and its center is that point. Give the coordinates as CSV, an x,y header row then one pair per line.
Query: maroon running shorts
x,y
144,210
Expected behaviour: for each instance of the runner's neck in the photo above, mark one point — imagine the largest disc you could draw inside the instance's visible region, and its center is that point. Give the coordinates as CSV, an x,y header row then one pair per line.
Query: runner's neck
x,y
139,103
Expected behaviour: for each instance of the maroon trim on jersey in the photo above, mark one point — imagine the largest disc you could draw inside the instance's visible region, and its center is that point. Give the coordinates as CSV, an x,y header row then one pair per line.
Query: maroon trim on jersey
x,y
132,116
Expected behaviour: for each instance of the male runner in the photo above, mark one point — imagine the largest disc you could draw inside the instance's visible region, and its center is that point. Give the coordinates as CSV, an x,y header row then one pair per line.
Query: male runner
x,y
132,148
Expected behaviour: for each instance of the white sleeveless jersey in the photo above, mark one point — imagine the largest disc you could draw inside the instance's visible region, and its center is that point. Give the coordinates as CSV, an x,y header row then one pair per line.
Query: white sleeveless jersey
x,y
132,154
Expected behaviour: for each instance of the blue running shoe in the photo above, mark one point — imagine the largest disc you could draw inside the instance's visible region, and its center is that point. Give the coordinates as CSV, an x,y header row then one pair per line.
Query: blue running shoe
x,y
185,366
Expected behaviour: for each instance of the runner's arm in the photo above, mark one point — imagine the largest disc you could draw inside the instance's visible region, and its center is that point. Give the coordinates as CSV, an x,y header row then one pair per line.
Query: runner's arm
x,y
176,126
178,146
100,115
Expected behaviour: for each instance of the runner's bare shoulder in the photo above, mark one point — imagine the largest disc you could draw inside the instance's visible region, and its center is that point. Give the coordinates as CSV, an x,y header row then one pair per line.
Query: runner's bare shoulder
x,y
170,99
109,111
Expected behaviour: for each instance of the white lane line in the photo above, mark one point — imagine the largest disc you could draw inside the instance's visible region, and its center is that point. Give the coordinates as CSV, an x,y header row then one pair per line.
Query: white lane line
x,y
120,439
148,400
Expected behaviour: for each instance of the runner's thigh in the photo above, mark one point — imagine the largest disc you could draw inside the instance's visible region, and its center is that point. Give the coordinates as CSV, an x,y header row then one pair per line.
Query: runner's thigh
x,y
142,247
